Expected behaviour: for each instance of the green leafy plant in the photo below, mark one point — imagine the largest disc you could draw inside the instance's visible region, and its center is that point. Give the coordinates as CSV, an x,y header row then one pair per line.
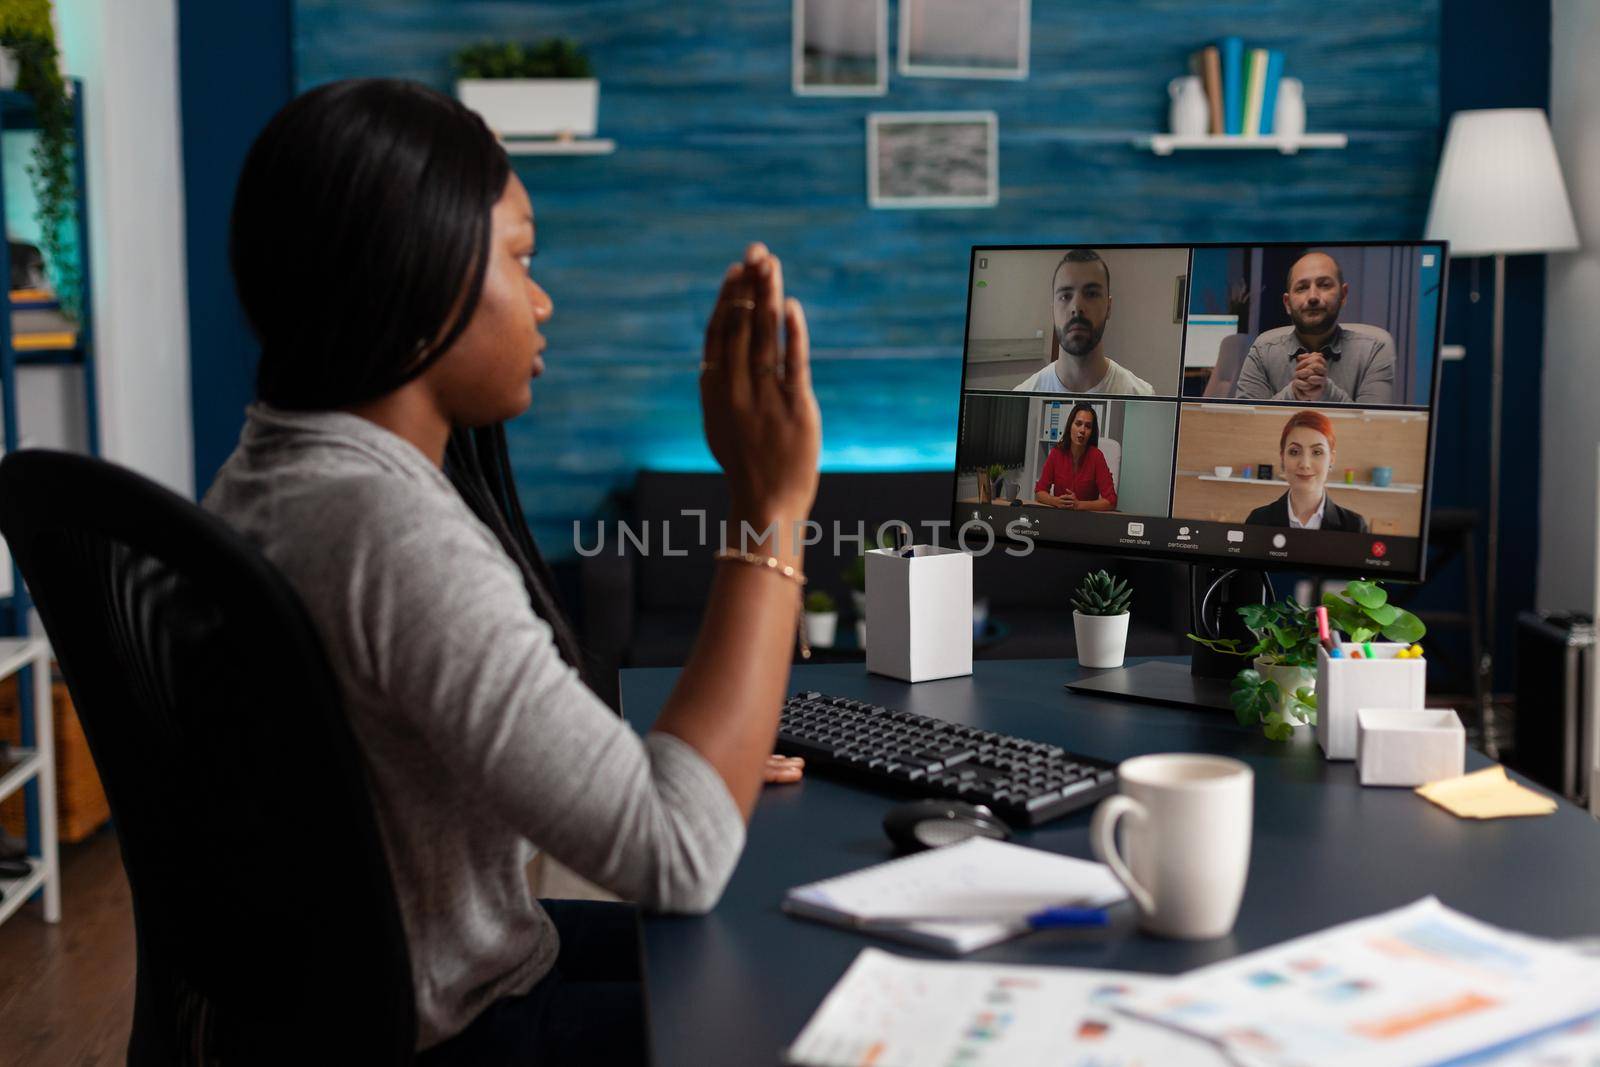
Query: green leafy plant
x,y
1285,633
1364,612
1257,699
553,58
1101,594
819,603
855,574
996,472
26,30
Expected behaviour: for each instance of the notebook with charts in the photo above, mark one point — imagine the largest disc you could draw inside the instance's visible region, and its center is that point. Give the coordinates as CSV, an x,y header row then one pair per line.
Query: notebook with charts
x,y
958,898
1422,984
892,1012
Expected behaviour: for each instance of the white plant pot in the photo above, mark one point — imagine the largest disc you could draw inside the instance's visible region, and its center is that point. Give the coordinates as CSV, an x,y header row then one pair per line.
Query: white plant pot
x,y
534,107
1102,639
8,69
858,600
821,628
861,634
1289,680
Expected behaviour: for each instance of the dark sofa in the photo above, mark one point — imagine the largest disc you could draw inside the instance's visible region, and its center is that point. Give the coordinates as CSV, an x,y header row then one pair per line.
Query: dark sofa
x,y
643,608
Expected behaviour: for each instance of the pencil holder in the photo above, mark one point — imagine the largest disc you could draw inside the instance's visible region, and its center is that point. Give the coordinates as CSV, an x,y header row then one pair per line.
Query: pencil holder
x,y
920,602
1346,685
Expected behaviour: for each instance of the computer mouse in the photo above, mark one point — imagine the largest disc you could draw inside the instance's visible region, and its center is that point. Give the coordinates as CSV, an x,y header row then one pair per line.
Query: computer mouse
x,y
922,824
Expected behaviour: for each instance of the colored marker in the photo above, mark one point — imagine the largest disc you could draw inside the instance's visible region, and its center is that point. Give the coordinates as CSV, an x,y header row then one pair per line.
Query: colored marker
x,y
1366,646
1322,629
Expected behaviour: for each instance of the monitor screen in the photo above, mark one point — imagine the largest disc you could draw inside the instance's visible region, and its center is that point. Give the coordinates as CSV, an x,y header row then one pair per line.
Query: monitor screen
x,y
1263,405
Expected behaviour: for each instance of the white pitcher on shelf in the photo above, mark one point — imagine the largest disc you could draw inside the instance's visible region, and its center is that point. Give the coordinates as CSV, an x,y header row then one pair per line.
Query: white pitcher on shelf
x,y
1189,114
1289,116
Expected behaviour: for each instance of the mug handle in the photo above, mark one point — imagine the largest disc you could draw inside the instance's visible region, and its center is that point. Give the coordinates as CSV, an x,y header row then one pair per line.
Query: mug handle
x,y
1103,839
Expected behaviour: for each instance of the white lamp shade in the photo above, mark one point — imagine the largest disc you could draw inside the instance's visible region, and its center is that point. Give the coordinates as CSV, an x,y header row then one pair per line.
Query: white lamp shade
x,y
1499,188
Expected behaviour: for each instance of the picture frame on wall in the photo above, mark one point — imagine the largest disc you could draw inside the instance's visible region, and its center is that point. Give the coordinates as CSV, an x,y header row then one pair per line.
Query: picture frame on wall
x,y
964,38
933,159
840,48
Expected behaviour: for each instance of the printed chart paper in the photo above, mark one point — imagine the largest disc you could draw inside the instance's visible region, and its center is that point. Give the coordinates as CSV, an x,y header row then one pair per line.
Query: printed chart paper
x,y
1419,985
892,1012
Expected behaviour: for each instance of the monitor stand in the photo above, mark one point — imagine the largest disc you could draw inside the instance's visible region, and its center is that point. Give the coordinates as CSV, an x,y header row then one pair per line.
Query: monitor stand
x,y
1205,684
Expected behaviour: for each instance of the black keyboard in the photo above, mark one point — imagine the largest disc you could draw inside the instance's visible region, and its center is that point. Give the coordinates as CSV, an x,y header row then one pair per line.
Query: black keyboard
x,y
1024,782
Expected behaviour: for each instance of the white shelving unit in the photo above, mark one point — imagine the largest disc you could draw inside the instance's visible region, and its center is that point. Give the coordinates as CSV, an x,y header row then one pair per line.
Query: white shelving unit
x,y
1359,487
546,146
33,764
1164,144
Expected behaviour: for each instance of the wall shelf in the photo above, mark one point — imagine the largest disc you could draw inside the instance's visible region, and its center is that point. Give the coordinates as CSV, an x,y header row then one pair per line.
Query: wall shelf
x,y
1164,144
1360,487
545,146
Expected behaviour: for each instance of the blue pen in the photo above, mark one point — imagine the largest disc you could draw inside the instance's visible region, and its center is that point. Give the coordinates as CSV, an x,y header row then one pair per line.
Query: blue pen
x,y
1053,918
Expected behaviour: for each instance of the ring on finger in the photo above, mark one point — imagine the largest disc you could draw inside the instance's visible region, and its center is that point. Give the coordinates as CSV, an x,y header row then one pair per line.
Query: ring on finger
x,y
743,305
764,369
706,365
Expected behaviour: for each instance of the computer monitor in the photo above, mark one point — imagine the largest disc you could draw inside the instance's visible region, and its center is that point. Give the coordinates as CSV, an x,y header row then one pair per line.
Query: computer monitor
x,y
1256,406
1267,405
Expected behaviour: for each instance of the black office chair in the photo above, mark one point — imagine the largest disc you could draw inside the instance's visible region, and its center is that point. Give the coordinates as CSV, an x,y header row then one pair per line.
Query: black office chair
x,y
268,930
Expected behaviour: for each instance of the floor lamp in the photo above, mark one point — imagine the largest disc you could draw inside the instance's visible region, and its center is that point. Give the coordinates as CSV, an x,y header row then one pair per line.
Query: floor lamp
x,y
1499,193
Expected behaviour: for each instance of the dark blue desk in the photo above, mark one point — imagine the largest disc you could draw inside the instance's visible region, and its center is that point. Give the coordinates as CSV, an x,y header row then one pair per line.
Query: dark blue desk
x,y
736,986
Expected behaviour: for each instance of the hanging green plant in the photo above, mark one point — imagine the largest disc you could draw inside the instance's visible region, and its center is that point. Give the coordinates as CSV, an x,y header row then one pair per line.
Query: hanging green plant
x,y
26,30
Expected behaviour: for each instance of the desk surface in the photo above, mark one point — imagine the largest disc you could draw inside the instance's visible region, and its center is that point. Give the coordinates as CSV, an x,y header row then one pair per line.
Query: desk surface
x,y
736,986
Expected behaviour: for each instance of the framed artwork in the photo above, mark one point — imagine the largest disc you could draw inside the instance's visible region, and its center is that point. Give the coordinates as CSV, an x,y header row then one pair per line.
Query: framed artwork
x,y
841,47
964,38
938,159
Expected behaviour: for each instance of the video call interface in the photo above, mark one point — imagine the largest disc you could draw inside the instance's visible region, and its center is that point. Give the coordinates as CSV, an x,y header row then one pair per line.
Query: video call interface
x,y
1261,402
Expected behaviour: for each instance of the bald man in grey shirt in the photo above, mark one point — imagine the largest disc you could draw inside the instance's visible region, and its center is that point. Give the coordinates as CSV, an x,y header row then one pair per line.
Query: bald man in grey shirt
x,y
1317,360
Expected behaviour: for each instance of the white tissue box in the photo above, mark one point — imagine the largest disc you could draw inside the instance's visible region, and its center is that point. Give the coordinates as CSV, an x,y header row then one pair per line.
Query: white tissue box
x,y
1409,746
1345,685
921,611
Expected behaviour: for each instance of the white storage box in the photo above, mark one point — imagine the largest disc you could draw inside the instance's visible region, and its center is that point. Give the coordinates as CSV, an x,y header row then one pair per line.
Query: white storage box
x,y
1345,685
921,611
1409,746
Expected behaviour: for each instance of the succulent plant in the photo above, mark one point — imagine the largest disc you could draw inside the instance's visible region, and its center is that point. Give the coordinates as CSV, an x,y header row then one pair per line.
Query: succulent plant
x,y
819,603
1101,594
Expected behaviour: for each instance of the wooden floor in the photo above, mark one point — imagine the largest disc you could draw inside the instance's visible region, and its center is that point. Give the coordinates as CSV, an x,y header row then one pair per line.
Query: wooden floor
x,y
66,991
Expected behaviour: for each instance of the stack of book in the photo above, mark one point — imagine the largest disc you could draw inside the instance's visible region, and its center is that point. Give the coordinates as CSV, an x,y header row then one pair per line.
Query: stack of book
x,y
38,323
1241,86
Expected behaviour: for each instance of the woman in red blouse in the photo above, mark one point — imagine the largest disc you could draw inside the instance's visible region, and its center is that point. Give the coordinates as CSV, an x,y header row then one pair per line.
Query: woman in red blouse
x,y
1075,473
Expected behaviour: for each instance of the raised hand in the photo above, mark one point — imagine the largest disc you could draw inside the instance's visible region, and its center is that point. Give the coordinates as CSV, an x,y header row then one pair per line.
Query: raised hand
x,y
761,416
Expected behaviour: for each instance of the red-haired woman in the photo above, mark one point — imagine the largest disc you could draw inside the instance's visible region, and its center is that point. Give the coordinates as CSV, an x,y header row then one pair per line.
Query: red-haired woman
x,y
1306,452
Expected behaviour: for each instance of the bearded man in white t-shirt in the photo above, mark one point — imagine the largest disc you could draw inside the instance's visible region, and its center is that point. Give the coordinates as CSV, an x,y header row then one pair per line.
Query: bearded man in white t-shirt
x,y
1080,292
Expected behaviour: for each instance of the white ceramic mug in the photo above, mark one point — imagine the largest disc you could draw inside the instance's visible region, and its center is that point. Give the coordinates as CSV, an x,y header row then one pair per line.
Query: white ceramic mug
x,y
1187,838
1189,115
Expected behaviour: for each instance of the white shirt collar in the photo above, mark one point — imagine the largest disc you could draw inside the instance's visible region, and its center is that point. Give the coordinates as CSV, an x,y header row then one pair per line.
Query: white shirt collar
x,y
1313,523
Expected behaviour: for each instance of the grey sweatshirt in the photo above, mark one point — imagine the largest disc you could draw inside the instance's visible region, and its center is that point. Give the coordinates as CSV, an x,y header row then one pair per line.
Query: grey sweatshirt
x,y
480,743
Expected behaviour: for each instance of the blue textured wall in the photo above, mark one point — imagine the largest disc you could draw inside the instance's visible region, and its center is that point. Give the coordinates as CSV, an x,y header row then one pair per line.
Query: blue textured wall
x,y
714,150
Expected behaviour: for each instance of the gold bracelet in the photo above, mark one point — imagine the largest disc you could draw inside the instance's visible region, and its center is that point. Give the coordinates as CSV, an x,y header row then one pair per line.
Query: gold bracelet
x,y
771,563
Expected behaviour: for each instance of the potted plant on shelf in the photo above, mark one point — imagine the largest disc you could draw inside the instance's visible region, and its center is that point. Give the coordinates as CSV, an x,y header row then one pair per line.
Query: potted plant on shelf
x,y
540,90
27,33
1100,619
1278,690
997,483
822,619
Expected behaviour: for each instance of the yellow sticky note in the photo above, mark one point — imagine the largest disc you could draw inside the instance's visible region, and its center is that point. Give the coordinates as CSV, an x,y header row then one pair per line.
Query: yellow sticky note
x,y
1486,794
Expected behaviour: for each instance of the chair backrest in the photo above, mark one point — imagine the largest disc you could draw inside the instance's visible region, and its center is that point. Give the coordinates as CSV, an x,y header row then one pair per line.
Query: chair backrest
x,y
1224,378
267,924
